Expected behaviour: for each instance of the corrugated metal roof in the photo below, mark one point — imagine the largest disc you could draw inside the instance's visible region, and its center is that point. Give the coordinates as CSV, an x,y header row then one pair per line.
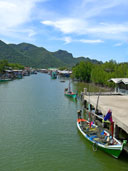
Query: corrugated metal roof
x,y
65,72
119,80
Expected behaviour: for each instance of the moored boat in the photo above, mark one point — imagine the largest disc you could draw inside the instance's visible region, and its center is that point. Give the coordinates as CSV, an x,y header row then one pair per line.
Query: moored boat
x,y
99,138
5,79
69,93
54,75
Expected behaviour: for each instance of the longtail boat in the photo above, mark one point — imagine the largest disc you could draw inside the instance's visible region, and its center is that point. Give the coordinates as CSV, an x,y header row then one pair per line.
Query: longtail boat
x,y
69,93
100,138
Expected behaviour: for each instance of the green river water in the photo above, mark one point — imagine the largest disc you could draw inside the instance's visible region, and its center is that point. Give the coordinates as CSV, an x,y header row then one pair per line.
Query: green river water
x,y
38,130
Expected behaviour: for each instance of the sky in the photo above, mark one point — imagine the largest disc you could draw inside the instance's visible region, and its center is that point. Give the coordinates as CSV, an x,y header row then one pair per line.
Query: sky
x,y
90,28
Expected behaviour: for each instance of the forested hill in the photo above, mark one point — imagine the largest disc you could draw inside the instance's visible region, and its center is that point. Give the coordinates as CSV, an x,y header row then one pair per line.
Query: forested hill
x,y
39,57
67,58
12,55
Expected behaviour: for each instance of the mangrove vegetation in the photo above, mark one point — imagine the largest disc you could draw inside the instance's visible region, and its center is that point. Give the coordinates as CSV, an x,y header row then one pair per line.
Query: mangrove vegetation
x,y
100,73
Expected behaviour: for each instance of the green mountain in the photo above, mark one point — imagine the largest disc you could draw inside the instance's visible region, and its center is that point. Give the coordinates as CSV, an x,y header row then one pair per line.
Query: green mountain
x,y
40,57
69,60
12,55
31,55
94,61
65,57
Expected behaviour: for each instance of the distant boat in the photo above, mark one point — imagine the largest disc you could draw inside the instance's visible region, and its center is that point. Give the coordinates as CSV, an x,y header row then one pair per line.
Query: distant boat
x,y
54,75
100,139
5,79
69,93
62,81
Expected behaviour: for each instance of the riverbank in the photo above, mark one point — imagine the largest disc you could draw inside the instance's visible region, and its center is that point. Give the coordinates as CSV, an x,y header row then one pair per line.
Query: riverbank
x,y
11,74
91,87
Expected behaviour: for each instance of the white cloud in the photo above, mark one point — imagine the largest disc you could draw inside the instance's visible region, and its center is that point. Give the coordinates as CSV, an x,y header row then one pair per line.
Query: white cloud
x,y
84,20
81,27
110,28
90,41
81,20
67,25
31,33
91,8
14,14
21,34
118,44
67,40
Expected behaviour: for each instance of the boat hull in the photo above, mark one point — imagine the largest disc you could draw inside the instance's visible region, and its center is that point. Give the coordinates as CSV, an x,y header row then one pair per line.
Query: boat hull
x,y
113,150
73,95
5,80
54,77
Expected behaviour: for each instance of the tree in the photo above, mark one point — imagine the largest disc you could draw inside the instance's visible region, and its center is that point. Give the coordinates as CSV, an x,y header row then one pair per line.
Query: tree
x,y
82,71
3,65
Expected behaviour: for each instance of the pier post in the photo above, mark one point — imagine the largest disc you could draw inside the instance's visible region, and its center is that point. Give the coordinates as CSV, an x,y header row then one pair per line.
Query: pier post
x,y
85,104
85,91
79,114
116,131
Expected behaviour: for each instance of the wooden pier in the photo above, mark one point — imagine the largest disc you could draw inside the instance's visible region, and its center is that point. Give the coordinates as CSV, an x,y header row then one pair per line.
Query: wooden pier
x,y
117,103
103,93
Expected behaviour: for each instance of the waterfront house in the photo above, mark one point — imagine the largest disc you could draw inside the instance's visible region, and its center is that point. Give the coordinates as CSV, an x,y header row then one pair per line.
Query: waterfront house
x,y
64,73
121,85
18,73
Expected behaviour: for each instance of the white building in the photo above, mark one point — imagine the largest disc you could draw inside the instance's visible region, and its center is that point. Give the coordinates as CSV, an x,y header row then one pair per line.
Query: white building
x,y
121,85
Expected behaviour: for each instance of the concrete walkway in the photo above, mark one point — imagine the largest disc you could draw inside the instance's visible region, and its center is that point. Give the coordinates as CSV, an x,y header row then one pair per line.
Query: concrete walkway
x,y
118,105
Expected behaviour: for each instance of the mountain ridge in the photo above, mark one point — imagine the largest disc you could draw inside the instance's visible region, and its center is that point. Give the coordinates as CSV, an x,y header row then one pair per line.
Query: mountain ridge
x,y
31,55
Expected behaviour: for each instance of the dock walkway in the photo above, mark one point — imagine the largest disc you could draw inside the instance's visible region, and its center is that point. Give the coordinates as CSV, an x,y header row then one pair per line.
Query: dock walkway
x,y
118,104
103,93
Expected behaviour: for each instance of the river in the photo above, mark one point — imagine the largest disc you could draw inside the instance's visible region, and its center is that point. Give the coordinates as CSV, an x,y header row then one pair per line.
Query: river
x,y
38,130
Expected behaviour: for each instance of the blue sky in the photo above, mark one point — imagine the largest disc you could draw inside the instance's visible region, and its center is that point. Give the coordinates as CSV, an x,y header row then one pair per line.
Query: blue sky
x,y
90,28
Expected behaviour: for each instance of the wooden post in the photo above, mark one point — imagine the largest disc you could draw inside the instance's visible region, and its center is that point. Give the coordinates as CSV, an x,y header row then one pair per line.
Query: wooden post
x,y
112,128
85,104
85,91
116,131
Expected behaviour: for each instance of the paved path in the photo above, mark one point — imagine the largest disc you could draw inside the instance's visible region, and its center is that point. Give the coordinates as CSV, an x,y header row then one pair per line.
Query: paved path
x,y
118,105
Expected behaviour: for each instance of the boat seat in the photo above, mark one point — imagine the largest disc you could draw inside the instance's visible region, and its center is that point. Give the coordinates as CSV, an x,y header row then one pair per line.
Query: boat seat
x,y
96,139
93,137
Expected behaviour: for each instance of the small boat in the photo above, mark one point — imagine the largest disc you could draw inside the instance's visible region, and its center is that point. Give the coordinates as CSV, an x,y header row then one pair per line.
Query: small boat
x,y
62,81
54,75
99,138
5,79
69,93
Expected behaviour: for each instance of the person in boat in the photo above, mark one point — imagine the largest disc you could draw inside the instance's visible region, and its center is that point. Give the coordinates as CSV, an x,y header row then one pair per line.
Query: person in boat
x,y
66,89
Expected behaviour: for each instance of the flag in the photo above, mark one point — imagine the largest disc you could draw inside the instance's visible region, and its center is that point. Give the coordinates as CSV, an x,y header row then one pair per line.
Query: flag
x,y
108,116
